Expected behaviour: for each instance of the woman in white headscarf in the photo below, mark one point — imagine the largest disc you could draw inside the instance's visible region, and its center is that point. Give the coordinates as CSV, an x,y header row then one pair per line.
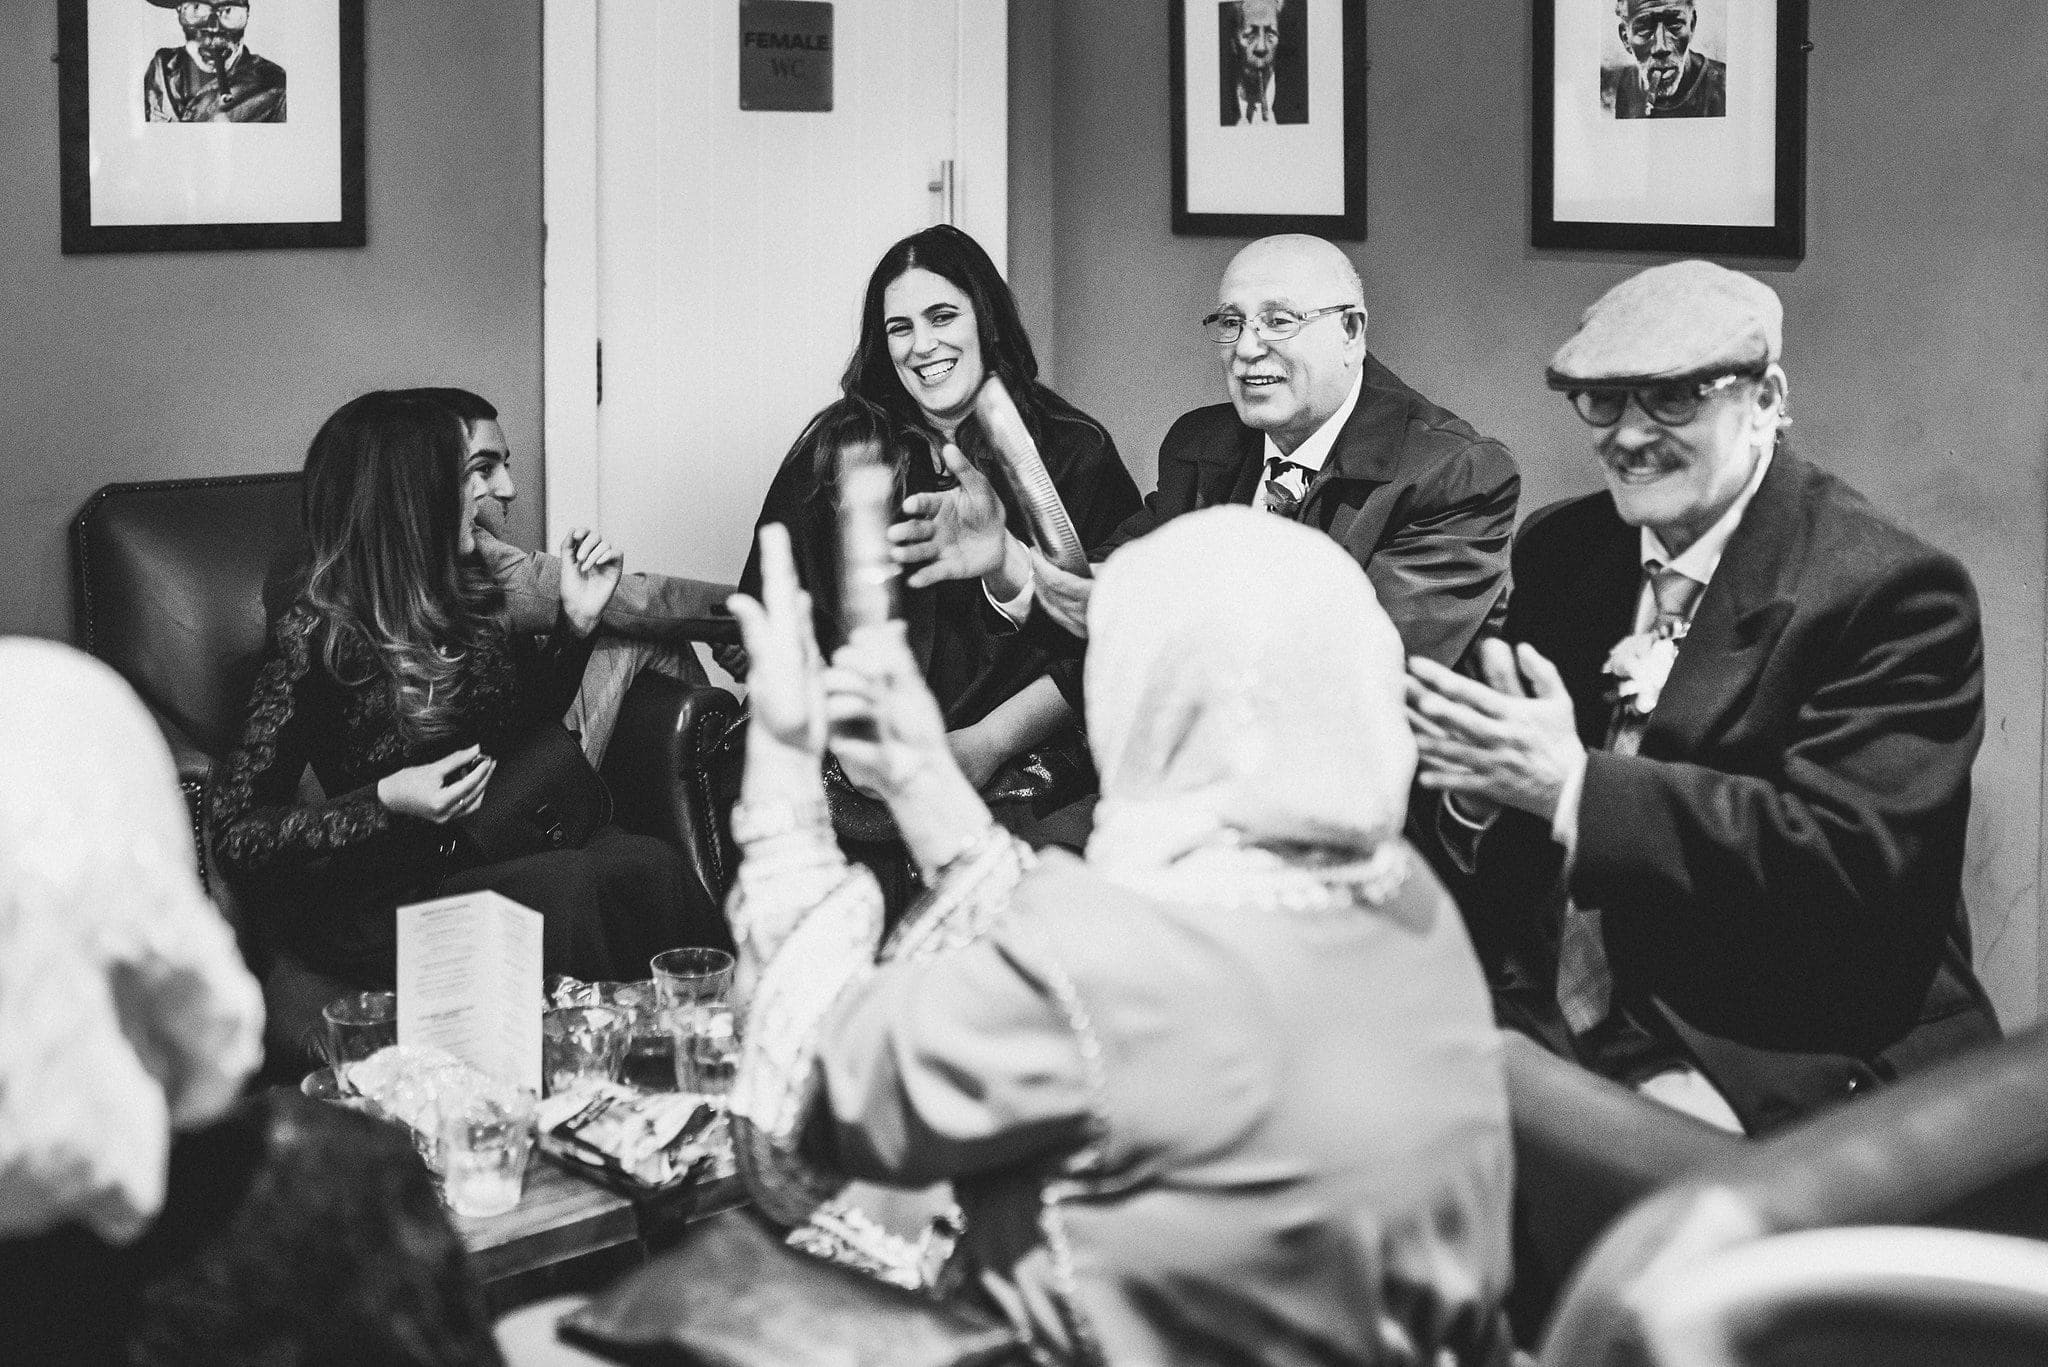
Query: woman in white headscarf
x,y
145,1216
124,1006
1229,1090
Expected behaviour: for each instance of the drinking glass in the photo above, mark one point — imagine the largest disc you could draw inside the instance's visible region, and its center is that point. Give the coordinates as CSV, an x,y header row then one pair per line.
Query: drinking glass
x,y
580,1045
358,1025
485,1137
706,1038
648,1064
684,977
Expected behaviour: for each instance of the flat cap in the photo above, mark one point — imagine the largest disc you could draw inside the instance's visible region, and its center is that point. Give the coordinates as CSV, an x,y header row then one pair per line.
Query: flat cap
x,y
1675,322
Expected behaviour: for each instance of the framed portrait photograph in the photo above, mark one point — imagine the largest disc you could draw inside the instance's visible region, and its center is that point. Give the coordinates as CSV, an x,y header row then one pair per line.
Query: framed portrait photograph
x,y
1670,125
1268,117
198,125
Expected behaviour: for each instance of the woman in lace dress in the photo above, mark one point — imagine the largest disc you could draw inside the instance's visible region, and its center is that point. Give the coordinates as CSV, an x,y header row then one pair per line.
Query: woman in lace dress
x,y
1226,1091
394,676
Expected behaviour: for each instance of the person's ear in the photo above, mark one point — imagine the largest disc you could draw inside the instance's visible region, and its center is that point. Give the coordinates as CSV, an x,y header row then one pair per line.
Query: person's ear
x,y
1772,389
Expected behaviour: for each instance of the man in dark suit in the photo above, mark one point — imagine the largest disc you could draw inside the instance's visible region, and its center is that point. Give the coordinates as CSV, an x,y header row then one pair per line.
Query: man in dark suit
x,y
1318,431
1713,799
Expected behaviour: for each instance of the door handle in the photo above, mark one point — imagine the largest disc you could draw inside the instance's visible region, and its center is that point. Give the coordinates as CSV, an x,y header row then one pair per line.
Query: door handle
x,y
944,187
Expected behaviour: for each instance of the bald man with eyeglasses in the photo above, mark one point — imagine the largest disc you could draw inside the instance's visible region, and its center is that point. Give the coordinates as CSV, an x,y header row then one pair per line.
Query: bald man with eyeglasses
x,y
1710,799
1317,430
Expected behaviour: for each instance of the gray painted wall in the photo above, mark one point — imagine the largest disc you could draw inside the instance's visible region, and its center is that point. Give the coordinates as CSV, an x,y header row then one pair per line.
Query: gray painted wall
x,y
169,364
1917,324
1919,320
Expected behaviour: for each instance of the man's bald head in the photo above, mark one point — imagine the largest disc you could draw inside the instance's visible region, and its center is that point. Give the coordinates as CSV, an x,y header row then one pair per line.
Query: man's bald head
x,y
1287,387
1258,35
1309,261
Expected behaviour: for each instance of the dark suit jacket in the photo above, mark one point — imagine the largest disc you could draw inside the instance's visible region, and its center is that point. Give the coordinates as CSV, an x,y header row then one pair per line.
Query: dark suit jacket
x,y
1424,504
1290,92
1779,868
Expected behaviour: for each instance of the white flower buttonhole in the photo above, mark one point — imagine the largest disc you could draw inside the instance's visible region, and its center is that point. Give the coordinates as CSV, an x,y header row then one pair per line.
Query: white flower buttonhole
x,y
1642,662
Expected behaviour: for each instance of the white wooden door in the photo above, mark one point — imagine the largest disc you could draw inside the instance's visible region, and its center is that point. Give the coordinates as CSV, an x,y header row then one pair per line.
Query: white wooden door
x,y
719,255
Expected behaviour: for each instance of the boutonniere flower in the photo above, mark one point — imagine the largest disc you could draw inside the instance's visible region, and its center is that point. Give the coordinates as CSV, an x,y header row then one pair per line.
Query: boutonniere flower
x,y
1642,662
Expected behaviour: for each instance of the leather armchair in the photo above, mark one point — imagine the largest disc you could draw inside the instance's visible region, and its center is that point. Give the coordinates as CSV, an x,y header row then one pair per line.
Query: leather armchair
x,y
167,578
1963,1144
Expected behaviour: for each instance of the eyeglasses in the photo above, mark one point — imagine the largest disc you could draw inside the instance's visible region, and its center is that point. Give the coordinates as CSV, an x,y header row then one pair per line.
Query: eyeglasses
x,y
231,13
1272,325
1673,403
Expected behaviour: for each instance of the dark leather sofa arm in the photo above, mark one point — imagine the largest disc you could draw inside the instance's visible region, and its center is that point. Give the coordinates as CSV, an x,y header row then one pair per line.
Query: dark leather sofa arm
x,y
1586,1150
663,766
1963,1144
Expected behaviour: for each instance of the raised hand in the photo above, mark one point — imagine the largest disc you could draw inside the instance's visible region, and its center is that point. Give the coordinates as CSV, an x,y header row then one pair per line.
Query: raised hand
x,y
891,739
439,791
591,567
1515,744
785,688
886,727
1063,595
955,533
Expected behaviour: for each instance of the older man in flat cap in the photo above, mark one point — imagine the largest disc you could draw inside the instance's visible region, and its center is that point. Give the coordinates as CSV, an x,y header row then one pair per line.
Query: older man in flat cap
x,y
212,77
1712,797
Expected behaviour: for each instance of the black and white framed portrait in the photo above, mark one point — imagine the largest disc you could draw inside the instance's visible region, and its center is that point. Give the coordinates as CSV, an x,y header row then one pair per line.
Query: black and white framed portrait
x,y
208,124
1268,116
1670,125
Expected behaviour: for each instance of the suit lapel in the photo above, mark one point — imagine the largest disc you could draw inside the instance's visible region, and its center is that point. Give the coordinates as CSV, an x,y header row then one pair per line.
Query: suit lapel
x,y
1595,608
1247,473
1739,618
1369,446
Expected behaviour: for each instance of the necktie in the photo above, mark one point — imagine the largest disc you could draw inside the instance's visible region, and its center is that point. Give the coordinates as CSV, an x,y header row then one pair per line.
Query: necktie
x,y
1675,597
1585,982
1286,482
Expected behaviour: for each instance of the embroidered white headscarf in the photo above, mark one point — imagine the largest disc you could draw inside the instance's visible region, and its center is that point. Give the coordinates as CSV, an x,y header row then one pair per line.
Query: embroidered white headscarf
x,y
124,1005
1244,690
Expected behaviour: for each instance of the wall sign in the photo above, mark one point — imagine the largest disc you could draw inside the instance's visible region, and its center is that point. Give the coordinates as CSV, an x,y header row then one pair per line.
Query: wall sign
x,y
786,54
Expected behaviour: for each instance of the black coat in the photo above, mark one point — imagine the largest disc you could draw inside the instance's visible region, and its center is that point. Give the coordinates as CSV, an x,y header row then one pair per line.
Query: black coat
x,y
972,658
1422,502
1780,867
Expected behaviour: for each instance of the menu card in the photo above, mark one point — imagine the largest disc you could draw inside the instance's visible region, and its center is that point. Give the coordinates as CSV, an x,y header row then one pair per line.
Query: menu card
x,y
469,982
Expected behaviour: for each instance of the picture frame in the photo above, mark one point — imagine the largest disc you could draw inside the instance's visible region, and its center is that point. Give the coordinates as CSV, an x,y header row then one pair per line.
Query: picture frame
x,y
159,152
1648,134
1269,119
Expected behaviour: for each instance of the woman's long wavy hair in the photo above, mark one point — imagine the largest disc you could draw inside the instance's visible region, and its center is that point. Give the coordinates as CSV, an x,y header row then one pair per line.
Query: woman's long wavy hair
x,y
383,503
876,405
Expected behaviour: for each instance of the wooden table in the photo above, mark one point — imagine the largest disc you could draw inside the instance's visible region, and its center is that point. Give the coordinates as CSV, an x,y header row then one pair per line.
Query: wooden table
x,y
568,1232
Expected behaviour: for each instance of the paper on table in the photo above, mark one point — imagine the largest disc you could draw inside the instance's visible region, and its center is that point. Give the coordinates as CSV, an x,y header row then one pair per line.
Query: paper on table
x,y
469,982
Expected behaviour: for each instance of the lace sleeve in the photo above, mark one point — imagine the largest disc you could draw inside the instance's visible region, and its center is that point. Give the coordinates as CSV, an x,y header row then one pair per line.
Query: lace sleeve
x,y
257,820
809,924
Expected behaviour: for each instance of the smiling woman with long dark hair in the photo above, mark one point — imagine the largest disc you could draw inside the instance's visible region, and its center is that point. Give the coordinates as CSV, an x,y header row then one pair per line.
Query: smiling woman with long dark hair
x,y
937,321
395,677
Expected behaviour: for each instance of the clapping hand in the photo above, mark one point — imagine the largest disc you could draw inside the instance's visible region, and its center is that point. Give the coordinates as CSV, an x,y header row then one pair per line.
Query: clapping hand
x,y
447,789
591,567
955,533
1512,740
